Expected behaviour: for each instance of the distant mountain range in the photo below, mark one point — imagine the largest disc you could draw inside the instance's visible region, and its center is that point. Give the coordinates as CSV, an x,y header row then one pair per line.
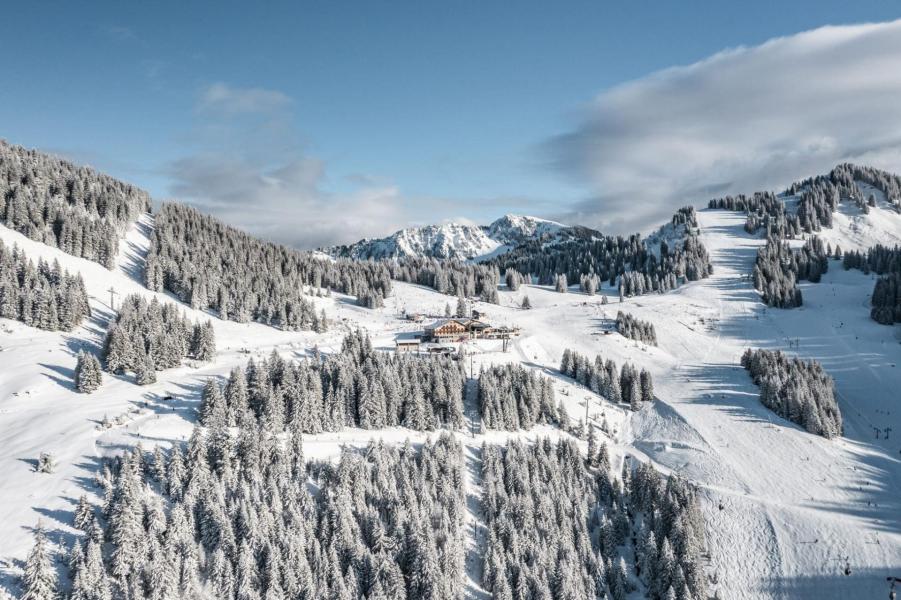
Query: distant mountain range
x,y
451,240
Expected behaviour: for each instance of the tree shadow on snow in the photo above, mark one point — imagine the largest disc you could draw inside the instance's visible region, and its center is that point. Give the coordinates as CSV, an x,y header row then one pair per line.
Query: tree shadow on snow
x,y
133,265
863,582
179,398
66,379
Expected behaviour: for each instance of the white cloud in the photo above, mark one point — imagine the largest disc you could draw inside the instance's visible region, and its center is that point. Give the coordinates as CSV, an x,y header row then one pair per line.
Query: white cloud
x,y
229,100
250,171
286,203
742,120
120,33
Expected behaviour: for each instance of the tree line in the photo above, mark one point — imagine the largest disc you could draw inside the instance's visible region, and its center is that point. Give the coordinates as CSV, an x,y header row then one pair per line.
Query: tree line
x,y
817,198
43,295
210,265
635,329
147,337
843,180
448,276
359,387
626,385
76,209
799,391
561,526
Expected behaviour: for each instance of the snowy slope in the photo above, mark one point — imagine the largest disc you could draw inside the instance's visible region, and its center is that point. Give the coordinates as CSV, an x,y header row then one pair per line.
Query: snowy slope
x,y
451,240
785,509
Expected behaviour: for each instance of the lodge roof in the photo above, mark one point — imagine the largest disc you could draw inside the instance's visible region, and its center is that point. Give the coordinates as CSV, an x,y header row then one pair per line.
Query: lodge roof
x,y
443,322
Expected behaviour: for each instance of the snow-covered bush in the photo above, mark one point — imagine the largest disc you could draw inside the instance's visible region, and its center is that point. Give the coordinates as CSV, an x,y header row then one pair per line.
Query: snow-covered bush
x,y
45,463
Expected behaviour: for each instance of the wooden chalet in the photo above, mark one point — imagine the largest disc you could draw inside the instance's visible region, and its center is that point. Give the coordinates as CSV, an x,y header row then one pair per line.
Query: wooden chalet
x,y
447,330
458,330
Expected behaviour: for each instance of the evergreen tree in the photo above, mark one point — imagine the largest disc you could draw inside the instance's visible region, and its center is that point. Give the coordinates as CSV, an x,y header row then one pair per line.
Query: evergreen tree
x,y
39,581
461,307
88,377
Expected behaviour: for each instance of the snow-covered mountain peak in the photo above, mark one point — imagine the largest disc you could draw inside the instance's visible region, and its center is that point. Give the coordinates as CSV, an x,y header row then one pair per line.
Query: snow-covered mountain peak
x,y
451,240
514,228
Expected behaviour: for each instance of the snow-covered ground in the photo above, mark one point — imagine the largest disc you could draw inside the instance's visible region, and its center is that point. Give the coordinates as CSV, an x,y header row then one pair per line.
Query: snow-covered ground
x,y
786,510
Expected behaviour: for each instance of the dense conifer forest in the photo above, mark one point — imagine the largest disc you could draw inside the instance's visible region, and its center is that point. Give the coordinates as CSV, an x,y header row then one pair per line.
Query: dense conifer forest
x,y
453,277
152,336
76,209
561,526
628,262
43,296
234,518
359,387
210,265
799,391
512,397
887,299
778,268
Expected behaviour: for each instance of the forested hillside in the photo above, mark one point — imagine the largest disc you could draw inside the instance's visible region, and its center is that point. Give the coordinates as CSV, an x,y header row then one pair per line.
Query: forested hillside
x,y
208,264
817,198
73,208
43,296
814,200
577,251
287,451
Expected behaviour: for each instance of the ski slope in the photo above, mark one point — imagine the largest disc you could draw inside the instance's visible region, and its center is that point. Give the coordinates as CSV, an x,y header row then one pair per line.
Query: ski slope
x,y
786,511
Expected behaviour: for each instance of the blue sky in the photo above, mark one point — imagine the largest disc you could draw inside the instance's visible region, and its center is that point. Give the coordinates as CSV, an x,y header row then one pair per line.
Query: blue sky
x,y
274,115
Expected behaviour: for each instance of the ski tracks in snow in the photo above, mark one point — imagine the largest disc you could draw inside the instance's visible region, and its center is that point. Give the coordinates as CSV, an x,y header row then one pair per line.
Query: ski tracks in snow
x,y
475,530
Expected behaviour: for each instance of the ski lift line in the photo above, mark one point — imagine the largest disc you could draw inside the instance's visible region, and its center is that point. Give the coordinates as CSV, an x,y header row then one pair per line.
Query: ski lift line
x,y
838,393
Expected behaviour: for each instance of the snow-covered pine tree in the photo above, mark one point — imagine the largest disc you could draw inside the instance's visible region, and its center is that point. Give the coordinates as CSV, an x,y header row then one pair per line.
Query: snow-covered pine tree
x,y
560,283
40,581
88,373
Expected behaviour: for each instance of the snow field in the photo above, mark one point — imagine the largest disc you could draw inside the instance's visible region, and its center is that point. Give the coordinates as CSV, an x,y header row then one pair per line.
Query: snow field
x,y
785,510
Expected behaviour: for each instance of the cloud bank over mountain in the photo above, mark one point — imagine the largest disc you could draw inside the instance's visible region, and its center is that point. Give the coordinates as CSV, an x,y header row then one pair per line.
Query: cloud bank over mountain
x,y
744,119
249,167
